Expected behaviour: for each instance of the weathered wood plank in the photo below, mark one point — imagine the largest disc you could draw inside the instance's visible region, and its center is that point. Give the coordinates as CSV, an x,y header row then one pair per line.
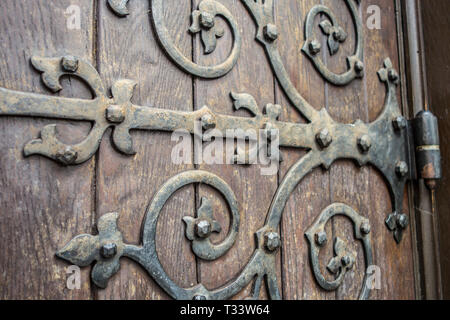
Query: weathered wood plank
x,y
43,205
434,15
395,261
349,184
128,49
311,196
254,191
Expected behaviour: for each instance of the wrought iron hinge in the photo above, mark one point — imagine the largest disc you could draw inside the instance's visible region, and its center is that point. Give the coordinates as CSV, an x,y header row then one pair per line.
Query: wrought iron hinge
x,y
391,144
424,149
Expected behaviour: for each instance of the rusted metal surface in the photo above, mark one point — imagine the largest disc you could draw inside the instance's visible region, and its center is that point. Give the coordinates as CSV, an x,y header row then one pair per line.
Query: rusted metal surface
x,y
382,144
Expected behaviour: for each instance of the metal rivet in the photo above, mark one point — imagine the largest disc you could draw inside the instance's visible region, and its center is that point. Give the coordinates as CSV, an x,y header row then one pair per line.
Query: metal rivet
x,y
393,75
346,261
359,66
270,32
272,241
199,298
314,47
68,156
70,63
365,228
208,122
401,169
402,221
321,238
324,138
115,114
108,250
206,20
203,228
399,123
365,143
340,35
391,221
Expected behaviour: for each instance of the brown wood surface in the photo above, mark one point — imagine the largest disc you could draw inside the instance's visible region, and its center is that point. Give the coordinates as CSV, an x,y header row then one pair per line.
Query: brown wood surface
x,y
254,191
436,22
128,50
45,205
312,195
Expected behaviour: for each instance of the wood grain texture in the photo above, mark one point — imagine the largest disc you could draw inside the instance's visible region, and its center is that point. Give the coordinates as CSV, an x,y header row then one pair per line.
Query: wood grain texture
x,y
43,205
253,190
311,196
349,184
362,188
395,261
129,50
436,22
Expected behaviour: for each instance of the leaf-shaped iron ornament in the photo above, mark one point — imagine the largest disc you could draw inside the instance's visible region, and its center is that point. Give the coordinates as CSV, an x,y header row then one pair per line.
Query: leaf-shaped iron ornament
x,y
203,22
106,248
336,36
344,258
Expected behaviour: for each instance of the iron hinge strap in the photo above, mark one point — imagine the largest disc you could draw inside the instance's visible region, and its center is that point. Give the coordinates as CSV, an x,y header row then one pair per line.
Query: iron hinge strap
x,y
424,148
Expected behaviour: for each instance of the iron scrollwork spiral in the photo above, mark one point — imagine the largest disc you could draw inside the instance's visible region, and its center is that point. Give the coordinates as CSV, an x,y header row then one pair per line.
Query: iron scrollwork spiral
x,y
344,260
203,22
336,36
380,144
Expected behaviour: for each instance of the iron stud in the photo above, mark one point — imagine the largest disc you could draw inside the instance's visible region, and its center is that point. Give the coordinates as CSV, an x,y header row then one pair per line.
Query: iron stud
x,y
346,261
359,66
365,228
399,123
393,75
365,143
208,122
401,169
271,32
70,63
402,221
68,156
206,20
324,138
203,228
108,250
314,47
115,114
321,238
272,241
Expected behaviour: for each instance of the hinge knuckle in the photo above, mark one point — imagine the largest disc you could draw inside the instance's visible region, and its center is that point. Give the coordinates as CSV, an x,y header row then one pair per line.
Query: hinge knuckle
x,y
427,148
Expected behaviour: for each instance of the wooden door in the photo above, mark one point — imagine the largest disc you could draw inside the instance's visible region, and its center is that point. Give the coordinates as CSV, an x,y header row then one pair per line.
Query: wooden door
x,y
43,204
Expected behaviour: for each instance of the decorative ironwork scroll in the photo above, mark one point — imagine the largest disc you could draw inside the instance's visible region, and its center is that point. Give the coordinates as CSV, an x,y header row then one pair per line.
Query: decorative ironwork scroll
x,y
381,144
336,36
344,259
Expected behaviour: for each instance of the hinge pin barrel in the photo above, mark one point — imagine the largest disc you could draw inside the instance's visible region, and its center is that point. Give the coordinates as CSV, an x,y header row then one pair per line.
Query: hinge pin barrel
x,y
428,154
